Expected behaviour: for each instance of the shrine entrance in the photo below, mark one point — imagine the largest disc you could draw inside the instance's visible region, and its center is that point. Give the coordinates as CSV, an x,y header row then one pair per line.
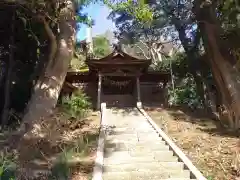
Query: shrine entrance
x,y
118,91
118,78
118,85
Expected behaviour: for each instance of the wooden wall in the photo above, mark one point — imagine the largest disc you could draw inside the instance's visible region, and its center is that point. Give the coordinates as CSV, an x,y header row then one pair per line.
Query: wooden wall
x,y
151,86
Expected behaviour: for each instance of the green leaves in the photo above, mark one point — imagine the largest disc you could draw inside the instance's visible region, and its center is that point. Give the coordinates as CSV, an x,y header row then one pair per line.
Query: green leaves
x,y
77,105
84,19
185,93
138,10
7,166
101,46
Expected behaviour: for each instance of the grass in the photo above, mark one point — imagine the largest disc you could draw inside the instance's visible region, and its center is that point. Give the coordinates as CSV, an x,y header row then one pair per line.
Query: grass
x,y
215,151
7,164
57,149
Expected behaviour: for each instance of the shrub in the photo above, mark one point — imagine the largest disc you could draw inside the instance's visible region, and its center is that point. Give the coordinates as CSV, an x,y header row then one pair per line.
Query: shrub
x,y
185,93
7,165
77,105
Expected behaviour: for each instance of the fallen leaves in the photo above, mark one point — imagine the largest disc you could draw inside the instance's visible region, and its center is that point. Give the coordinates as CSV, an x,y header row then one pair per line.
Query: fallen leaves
x,y
214,153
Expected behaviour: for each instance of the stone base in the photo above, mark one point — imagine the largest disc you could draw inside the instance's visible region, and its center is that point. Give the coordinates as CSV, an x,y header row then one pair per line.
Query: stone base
x,y
103,106
139,104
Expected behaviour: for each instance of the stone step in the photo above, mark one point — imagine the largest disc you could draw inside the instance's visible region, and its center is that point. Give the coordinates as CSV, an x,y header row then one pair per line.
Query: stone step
x,y
134,137
130,154
133,117
122,116
178,179
133,145
117,159
153,175
161,166
135,132
113,117
109,147
129,111
131,131
134,142
136,125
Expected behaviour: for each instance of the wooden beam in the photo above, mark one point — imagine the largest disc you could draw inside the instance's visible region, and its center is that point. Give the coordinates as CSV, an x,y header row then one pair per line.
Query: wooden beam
x,y
122,74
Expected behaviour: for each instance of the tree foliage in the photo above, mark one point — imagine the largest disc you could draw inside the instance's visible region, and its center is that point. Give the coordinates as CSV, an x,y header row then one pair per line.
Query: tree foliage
x,y
101,46
208,33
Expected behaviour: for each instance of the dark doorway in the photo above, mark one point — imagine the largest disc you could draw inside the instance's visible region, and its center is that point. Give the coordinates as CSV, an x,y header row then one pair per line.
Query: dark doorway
x,y
118,85
118,91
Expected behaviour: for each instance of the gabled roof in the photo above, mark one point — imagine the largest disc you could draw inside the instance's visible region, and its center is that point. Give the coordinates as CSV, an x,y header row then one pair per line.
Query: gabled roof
x,y
118,57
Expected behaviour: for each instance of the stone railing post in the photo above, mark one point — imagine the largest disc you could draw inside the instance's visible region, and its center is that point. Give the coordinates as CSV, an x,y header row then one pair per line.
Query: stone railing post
x,y
99,91
139,103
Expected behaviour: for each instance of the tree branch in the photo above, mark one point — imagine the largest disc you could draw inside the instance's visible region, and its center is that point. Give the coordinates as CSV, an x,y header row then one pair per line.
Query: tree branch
x,y
52,39
144,54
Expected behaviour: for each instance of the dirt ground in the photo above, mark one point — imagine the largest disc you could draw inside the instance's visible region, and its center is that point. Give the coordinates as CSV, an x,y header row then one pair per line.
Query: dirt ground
x,y
213,150
59,148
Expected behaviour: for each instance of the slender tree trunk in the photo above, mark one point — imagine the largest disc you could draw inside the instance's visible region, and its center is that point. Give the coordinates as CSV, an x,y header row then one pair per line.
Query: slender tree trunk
x,y
194,63
8,81
2,72
48,88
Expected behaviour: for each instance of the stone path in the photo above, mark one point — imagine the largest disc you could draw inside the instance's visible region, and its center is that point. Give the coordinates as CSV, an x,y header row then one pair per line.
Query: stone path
x,y
134,151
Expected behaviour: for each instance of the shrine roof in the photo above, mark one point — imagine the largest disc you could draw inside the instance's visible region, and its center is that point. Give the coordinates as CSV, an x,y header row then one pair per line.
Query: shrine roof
x,y
118,57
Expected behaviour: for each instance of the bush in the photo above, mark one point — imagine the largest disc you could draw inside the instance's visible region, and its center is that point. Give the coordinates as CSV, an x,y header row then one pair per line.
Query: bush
x,y
185,93
7,165
77,105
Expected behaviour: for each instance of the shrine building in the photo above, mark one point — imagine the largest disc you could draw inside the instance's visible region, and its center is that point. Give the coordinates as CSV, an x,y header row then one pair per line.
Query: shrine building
x,y
120,80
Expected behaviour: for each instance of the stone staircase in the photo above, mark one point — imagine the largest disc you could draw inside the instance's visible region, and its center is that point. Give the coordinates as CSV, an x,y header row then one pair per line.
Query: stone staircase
x,y
133,150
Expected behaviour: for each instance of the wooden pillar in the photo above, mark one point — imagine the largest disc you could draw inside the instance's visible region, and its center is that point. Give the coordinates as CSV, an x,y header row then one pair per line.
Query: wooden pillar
x,y
165,94
99,91
139,103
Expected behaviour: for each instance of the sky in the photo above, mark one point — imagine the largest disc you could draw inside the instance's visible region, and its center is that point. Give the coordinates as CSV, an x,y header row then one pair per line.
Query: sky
x,y
99,14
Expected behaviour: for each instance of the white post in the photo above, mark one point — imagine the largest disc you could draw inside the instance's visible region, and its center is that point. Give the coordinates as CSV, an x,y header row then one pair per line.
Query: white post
x,y
99,91
139,103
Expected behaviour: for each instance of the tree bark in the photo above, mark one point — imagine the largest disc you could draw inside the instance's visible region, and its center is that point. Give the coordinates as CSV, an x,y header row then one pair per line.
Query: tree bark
x,y
194,64
225,74
227,78
47,90
8,81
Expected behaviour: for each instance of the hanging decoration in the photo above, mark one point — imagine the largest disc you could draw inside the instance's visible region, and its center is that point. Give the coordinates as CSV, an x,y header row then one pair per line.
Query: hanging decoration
x,y
117,83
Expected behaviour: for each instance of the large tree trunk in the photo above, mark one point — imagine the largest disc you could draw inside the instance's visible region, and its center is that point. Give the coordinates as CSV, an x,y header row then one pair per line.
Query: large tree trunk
x,y
225,74
8,81
226,77
47,89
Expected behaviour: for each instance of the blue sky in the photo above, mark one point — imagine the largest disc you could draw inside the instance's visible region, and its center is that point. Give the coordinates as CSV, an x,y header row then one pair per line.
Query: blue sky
x,y
99,14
